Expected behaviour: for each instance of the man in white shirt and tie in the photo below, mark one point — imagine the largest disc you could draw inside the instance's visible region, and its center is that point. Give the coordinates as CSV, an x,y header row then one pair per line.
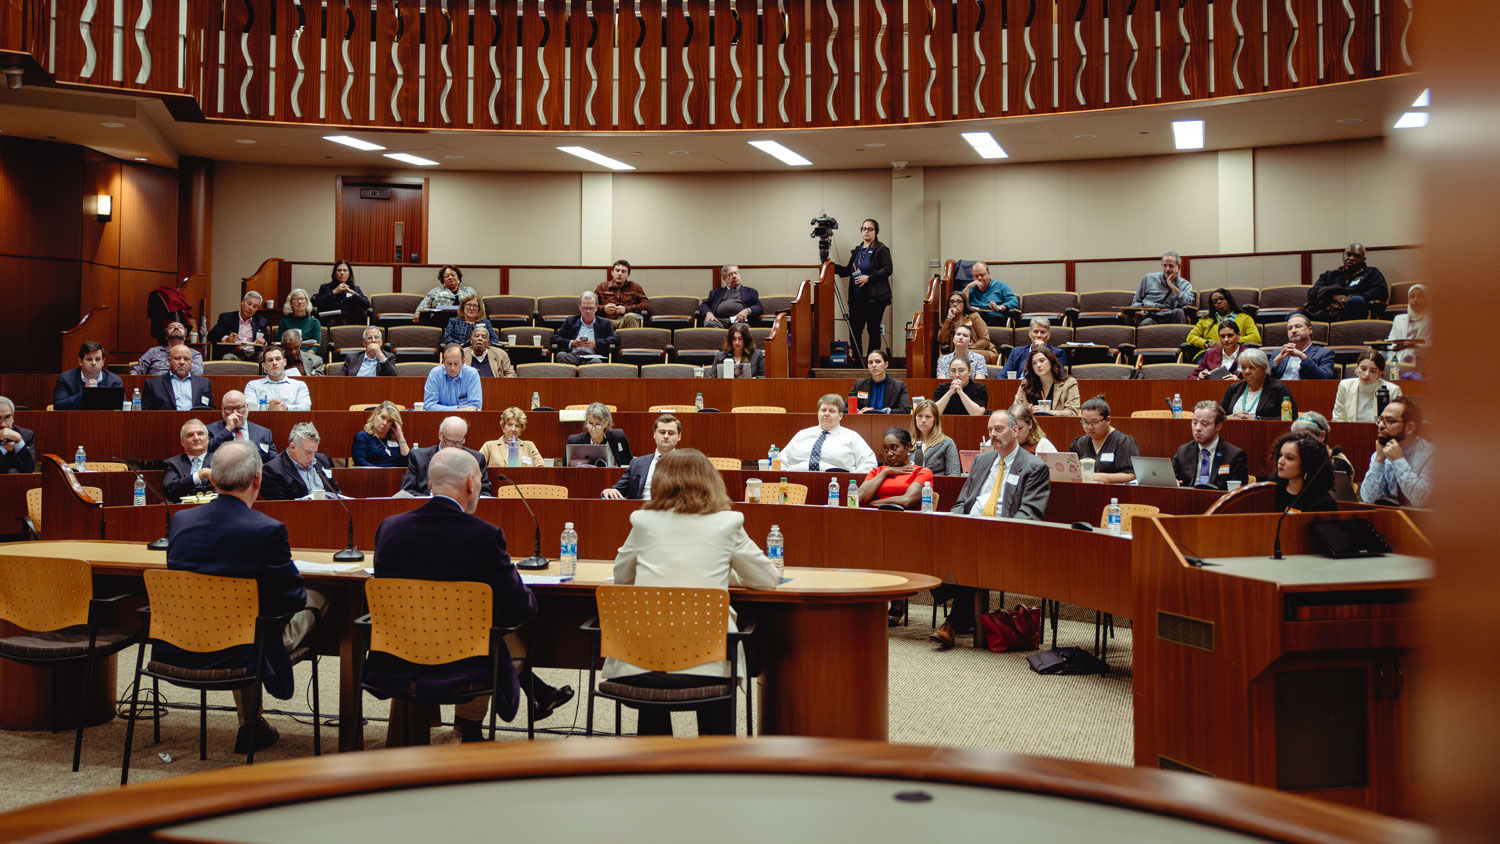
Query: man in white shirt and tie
x,y
828,446
280,391
188,473
635,484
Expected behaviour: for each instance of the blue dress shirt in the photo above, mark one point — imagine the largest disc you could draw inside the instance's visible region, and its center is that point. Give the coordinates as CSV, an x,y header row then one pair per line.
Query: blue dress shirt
x,y
443,392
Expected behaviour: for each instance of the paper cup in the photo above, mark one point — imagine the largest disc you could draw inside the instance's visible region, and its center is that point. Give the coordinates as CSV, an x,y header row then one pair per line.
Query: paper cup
x,y
416,406
1233,485
510,339
752,490
318,495
764,464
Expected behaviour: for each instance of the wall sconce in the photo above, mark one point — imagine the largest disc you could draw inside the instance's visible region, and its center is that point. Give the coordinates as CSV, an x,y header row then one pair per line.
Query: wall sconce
x,y
103,207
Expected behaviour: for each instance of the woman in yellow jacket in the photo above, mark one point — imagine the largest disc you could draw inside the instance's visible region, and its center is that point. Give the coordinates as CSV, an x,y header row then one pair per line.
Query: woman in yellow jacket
x,y
1221,306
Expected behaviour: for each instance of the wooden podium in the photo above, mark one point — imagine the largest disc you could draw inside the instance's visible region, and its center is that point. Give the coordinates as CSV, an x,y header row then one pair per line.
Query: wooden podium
x,y
1293,674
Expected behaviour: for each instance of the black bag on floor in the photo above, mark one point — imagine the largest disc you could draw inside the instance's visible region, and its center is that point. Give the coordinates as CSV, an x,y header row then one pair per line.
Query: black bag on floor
x,y
1065,661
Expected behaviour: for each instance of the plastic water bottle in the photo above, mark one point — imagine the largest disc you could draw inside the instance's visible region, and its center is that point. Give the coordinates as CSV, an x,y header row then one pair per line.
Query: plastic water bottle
x,y
513,453
536,400
139,499
833,493
1177,405
698,402
135,399
567,563
775,455
853,495
1113,517
79,458
263,402
776,550
927,497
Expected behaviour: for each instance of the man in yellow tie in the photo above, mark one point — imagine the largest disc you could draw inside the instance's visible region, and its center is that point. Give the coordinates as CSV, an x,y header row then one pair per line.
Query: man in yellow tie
x,y
1007,482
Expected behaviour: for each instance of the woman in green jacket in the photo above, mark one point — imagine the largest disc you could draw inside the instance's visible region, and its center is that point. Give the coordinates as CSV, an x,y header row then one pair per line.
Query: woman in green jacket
x,y
1221,306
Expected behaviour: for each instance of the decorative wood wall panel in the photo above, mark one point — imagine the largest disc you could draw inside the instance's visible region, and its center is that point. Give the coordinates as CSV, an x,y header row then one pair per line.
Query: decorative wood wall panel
x,y
702,64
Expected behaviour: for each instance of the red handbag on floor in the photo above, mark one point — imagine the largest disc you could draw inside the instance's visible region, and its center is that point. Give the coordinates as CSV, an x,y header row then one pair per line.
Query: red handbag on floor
x,y
1019,629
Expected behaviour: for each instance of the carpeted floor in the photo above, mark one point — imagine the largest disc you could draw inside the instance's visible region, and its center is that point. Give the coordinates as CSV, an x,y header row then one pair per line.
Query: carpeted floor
x,y
957,698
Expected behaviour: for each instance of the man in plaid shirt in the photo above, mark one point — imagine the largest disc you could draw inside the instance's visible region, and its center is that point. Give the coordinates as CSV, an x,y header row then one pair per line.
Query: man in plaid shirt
x,y
622,300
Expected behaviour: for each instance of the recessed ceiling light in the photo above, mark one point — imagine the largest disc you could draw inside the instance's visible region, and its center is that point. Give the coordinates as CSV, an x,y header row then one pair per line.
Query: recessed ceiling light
x,y
348,141
410,159
1412,120
454,157
1084,137
874,146
985,144
244,140
1424,99
138,158
1350,121
780,153
113,125
1189,133
590,155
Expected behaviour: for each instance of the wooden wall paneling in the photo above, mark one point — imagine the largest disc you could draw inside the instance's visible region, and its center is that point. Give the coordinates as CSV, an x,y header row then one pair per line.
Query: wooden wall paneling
x,y
544,55
824,304
1175,52
776,82
482,33
749,50
460,103
389,98
232,21
438,82
697,57
872,96
530,65
628,33
195,221
98,240
358,78
160,35
723,26
291,47
1132,53
920,76
148,218
336,25
608,98
580,37
843,53
674,34
796,59
1075,24
408,51
1234,40
1288,63
1020,70
258,93
98,285
135,289
965,58
943,58
41,198
46,303
649,104
820,27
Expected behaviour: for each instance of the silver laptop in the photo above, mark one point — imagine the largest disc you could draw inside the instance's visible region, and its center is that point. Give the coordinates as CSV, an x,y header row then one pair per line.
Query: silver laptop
x,y
587,454
1063,466
1153,471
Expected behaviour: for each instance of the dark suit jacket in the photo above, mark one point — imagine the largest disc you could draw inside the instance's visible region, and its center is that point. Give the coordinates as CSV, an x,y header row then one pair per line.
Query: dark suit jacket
x,y
156,393
225,538
1025,498
22,460
353,360
632,484
896,398
279,480
1318,364
605,338
260,435
878,289
68,393
1185,464
228,326
177,480
614,438
1270,399
472,550
749,298
415,479
353,307
1017,358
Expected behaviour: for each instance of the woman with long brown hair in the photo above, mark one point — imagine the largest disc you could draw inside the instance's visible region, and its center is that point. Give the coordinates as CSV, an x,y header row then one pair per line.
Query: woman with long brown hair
x,y
1046,381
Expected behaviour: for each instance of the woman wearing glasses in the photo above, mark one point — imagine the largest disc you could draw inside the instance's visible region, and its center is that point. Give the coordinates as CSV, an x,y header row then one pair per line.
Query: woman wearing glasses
x,y
1110,450
598,428
869,273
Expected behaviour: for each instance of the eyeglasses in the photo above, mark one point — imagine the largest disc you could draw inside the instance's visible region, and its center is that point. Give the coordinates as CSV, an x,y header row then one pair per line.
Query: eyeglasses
x,y
867,228
450,443
593,424
1087,423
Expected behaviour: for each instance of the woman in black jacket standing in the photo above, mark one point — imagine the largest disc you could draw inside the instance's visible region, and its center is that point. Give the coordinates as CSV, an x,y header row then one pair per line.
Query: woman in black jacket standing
x,y
869,273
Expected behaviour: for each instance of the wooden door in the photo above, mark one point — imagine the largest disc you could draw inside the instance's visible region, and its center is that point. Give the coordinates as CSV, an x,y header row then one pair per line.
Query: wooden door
x,y
381,222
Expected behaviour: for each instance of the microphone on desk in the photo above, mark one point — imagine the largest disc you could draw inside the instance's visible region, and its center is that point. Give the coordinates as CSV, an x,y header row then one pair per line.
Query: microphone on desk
x,y
536,560
157,544
351,552
1306,484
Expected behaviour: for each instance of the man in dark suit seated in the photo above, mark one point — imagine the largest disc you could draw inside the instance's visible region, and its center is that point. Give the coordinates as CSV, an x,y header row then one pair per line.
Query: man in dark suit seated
x,y
1006,482
17,445
1039,334
90,372
451,434
246,326
586,338
226,538
1208,460
1300,359
188,473
473,550
734,302
300,470
179,389
236,426
635,484
373,360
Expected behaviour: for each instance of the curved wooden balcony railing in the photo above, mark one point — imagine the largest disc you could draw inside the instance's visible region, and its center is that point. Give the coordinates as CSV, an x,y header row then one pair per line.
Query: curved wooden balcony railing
x,y
650,65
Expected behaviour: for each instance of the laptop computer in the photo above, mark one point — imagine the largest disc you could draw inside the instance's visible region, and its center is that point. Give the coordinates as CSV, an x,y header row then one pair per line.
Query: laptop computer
x,y
102,398
1063,466
587,454
1153,471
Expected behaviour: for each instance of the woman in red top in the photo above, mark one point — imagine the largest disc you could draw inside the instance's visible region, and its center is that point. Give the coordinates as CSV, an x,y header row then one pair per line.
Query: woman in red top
x,y
899,481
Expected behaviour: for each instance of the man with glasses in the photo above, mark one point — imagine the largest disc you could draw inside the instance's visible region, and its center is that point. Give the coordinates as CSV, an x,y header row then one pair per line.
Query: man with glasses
x,y
17,445
451,385
734,302
1401,467
586,338
236,426
451,434
1167,293
1348,291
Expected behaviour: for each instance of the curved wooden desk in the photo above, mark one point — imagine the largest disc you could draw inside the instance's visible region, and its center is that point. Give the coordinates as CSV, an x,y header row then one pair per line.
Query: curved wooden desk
x,y
767,789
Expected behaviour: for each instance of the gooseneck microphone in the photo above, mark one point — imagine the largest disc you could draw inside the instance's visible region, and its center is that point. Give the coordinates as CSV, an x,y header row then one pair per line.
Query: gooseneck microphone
x,y
1306,484
351,553
536,560
156,544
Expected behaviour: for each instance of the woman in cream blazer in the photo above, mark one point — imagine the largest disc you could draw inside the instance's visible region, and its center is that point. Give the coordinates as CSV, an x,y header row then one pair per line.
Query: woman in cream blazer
x,y
1356,400
497,451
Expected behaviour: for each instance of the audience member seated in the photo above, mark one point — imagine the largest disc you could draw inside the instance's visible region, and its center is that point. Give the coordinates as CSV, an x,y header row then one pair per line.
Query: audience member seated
x,y
731,303
179,389
227,538
474,550
962,394
188,473
1300,359
1045,380
1304,478
1415,324
497,451
586,338
382,443
1039,336
1111,450
1007,482
301,361
489,361
277,390
1222,308
635,484
960,314
450,290
1208,460
879,393
470,316
235,426
374,360
962,337
689,501
298,314
1256,395
1167,292
342,294
992,298
622,300
599,429
1030,434
154,361
1316,424
247,326
1357,399
828,446
451,434
451,385
1224,354
935,450
1348,291
899,481
300,471
90,372
1401,467
739,347
17,444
